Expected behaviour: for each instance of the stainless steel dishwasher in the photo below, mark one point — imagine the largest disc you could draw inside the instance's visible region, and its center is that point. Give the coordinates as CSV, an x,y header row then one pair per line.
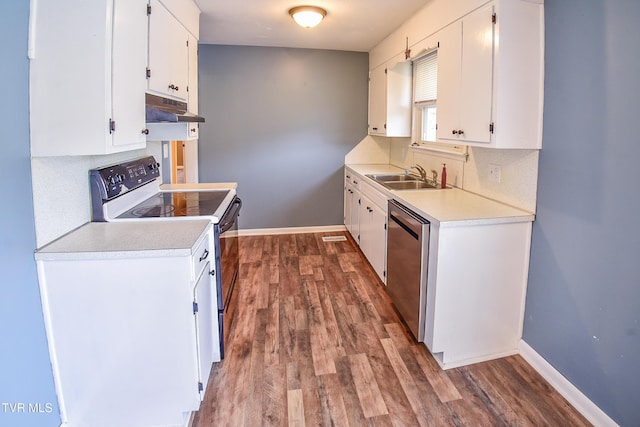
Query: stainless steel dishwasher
x,y
407,264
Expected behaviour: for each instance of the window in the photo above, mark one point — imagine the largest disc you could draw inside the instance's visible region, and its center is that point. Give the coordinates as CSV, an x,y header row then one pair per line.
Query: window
x,y
425,95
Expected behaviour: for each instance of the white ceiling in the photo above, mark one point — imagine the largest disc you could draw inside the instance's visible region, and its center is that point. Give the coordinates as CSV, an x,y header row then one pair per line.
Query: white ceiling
x,y
351,25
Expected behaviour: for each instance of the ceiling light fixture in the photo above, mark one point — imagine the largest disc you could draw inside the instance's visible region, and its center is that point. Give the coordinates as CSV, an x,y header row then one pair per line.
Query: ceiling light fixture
x,y
307,16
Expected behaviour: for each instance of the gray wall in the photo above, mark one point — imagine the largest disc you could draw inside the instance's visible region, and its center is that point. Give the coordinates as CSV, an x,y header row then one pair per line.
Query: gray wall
x,y
279,122
25,370
583,301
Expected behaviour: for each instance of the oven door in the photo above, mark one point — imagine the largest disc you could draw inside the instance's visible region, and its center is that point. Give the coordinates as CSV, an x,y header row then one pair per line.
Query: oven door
x,y
229,258
227,262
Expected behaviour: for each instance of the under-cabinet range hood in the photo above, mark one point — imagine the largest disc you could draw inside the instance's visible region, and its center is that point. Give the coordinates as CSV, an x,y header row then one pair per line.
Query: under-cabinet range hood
x,y
165,110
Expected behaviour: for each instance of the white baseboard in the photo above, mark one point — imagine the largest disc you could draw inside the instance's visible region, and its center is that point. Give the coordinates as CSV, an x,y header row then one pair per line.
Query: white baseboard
x,y
292,230
465,362
575,397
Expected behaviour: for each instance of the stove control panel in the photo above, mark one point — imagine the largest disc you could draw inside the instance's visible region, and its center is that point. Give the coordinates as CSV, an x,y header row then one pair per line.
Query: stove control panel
x,y
112,181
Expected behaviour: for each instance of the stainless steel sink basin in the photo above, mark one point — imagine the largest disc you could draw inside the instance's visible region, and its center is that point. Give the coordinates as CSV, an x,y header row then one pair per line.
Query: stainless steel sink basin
x,y
401,181
408,185
392,178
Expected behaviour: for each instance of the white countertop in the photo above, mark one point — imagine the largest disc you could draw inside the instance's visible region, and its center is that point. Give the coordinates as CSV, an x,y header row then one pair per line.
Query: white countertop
x,y
100,240
447,207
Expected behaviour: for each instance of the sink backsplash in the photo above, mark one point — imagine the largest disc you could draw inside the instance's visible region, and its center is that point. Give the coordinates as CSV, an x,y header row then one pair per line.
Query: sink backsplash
x,y
519,171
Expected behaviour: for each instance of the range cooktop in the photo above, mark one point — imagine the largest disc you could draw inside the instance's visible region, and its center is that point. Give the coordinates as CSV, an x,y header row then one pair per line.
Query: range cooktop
x,y
178,204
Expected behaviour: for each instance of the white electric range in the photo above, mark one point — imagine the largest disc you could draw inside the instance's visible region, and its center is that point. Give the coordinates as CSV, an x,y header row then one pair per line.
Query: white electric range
x,y
130,191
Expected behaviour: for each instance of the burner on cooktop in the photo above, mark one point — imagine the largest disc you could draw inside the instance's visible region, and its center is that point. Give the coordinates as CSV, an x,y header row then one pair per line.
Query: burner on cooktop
x,y
153,211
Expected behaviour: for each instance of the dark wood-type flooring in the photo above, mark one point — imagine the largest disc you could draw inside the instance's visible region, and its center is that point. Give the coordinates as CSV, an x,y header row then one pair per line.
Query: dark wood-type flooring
x,y
316,341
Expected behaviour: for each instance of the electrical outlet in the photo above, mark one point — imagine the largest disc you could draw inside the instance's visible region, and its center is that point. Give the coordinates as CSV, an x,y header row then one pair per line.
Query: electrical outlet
x,y
494,173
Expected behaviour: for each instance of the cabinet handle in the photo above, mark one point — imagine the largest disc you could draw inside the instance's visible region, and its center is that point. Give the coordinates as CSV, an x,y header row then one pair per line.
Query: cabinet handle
x,y
374,128
173,87
193,130
460,131
145,131
204,256
457,132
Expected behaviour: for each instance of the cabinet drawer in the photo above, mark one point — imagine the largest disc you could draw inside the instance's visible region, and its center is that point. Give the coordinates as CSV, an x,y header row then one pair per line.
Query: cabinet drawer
x,y
354,180
202,254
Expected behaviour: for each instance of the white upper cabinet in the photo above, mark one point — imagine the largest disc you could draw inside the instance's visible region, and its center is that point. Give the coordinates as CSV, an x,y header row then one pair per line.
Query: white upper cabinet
x,y
168,71
490,77
87,78
377,100
390,99
465,67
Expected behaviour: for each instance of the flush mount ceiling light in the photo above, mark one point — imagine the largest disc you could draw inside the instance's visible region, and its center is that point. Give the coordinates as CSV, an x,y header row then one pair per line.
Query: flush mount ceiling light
x,y
307,16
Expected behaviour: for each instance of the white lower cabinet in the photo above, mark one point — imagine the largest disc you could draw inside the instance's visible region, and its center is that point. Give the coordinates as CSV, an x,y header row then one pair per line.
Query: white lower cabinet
x,y
365,217
373,234
476,291
477,271
351,200
131,339
206,317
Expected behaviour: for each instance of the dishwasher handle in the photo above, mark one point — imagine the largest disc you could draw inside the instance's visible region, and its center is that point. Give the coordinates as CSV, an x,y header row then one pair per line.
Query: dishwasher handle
x,y
408,220
404,226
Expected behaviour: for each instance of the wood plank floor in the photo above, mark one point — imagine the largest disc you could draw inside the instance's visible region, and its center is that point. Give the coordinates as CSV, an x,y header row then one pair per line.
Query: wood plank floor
x,y
317,342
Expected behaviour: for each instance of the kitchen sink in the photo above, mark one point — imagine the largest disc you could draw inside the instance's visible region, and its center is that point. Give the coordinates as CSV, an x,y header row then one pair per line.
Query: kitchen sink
x,y
392,178
401,182
408,185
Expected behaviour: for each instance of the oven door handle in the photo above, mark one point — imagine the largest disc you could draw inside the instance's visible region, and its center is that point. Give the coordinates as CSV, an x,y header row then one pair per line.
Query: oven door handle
x,y
229,217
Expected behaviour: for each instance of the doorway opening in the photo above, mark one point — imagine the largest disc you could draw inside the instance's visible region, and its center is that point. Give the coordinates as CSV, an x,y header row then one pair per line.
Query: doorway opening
x,y
178,172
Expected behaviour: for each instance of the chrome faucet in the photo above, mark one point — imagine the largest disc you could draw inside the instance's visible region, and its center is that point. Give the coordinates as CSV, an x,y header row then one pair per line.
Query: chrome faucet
x,y
423,173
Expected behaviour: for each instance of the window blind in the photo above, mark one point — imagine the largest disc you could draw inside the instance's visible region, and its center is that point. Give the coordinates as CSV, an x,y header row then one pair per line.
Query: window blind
x,y
426,78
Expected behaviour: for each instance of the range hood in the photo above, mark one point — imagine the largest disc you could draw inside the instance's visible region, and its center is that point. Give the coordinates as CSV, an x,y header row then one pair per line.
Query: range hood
x,y
165,110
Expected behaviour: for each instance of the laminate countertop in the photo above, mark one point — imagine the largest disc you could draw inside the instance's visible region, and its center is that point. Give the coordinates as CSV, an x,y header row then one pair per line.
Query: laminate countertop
x,y
115,240
449,207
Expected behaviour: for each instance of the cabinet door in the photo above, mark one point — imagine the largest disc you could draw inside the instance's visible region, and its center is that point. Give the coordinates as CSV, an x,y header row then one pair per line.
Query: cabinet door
x,y
205,331
348,203
193,75
373,234
449,69
465,78
128,62
88,62
168,54
353,219
399,80
476,84
355,210
377,100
